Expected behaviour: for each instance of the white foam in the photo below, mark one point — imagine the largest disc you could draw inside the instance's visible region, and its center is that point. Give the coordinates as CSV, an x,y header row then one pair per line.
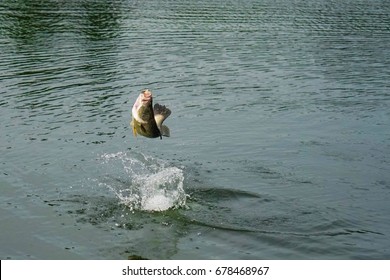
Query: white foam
x,y
144,183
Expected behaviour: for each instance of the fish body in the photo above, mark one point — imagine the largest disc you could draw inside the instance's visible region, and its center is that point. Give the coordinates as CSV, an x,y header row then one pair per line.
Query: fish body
x,y
146,119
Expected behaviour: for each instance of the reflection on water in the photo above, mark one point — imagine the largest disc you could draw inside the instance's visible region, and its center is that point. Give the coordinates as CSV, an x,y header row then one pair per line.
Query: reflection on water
x,y
279,144
34,22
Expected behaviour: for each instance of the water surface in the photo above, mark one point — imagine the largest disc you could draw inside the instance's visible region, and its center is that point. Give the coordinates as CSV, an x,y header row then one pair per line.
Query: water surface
x,y
280,145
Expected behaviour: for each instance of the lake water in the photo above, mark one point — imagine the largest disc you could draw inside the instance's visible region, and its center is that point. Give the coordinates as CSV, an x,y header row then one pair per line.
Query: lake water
x,y
280,129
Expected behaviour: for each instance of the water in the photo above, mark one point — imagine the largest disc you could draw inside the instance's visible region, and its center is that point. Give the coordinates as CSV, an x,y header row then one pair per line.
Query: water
x,y
154,186
280,139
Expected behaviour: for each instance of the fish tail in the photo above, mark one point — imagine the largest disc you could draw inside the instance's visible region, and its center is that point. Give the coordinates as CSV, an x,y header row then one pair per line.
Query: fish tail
x,y
165,131
161,110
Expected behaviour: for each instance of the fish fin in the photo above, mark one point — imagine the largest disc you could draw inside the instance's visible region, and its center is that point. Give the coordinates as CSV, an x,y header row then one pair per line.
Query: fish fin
x,y
165,131
143,128
133,128
160,113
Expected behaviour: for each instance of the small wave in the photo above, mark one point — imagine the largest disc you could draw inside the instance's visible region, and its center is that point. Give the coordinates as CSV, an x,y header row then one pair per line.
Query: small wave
x,y
143,182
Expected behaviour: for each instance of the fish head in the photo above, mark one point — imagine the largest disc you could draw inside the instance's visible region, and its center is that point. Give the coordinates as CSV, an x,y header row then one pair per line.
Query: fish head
x,y
143,107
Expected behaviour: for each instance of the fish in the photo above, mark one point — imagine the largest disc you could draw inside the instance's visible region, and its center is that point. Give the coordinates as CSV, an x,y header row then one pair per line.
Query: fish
x,y
146,119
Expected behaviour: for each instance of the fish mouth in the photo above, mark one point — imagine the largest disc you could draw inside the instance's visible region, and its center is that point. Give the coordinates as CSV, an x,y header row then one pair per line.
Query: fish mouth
x,y
146,96
144,100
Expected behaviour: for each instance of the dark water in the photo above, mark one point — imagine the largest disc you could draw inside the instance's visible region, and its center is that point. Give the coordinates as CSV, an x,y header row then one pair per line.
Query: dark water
x,y
280,144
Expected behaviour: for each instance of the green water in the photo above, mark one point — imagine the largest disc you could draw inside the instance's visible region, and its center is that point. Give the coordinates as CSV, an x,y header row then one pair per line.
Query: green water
x,y
280,139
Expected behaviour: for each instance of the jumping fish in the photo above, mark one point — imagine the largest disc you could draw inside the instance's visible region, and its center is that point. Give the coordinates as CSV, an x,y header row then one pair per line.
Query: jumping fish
x,y
146,119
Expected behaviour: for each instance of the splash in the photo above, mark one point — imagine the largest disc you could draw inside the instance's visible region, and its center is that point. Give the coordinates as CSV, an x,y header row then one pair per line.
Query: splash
x,y
143,182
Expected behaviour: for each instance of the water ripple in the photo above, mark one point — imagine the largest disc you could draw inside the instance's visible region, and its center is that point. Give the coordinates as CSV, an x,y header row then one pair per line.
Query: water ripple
x,y
279,108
